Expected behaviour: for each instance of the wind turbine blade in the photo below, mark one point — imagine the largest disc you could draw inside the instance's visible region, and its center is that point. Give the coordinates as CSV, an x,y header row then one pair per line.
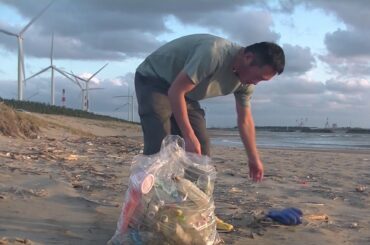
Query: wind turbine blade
x,y
35,18
97,72
8,33
63,73
75,76
76,81
38,73
52,49
121,96
32,95
95,88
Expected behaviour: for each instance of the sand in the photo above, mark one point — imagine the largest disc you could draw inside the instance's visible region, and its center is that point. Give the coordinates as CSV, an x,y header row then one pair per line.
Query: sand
x,y
67,187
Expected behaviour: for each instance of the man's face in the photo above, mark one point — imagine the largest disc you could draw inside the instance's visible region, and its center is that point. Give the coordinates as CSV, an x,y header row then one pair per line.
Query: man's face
x,y
250,73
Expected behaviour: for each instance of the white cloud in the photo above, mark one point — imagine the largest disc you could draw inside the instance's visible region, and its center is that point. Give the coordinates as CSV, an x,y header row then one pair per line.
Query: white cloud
x,y
118,82
349,86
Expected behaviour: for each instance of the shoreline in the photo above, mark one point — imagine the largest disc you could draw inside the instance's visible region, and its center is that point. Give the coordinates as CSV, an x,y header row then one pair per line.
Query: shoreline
x,y
333,150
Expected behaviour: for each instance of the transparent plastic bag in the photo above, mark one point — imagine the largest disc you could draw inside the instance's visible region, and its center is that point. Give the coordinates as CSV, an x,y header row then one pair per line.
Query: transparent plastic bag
x,y
169,200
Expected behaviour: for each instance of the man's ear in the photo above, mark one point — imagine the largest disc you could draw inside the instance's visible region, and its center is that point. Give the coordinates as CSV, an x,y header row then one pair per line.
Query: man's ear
x,y
248,58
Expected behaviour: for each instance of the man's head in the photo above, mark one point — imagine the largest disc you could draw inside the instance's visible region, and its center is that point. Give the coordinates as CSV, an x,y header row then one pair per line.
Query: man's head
x,y
260,62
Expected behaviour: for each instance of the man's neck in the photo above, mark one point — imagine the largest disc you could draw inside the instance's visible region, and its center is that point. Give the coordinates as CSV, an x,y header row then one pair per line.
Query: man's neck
x,y
237,61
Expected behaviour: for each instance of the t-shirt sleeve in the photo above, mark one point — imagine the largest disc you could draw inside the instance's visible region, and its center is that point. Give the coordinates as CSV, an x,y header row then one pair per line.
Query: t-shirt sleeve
x,y
244,94
201,64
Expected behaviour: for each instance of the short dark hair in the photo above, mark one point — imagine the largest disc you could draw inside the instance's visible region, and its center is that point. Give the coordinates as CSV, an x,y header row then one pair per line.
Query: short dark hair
x,y
268,53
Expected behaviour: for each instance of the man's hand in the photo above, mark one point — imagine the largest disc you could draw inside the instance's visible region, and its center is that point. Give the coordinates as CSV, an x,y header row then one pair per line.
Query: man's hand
x,y
256,170
192,144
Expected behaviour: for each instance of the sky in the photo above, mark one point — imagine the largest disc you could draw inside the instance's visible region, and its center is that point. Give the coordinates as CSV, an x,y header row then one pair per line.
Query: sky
x,y
326,43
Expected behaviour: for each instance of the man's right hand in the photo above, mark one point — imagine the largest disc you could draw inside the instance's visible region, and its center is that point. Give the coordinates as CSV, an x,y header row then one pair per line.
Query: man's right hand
x,y
192,144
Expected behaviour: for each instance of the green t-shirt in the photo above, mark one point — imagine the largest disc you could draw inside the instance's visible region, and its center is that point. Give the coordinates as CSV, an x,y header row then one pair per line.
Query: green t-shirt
x,y
206,59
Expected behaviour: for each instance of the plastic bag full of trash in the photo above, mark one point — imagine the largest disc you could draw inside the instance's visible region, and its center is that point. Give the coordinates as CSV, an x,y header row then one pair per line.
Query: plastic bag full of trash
x,y
169,199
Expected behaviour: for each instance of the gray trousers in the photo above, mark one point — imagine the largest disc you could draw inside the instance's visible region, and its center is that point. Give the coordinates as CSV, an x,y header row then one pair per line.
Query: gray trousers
x,y
157,120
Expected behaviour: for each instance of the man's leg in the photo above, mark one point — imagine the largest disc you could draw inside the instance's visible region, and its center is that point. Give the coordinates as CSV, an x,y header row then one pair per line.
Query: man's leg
x,y
154,112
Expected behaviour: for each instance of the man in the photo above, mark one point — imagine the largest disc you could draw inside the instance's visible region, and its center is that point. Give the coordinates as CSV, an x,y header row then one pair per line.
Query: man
x,y
171,81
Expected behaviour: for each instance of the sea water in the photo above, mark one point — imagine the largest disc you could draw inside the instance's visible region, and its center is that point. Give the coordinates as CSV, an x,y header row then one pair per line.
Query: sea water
x,y
299,140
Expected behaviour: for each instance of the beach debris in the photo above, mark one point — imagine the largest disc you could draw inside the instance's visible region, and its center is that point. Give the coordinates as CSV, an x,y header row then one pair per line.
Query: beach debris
x,y
15,241
314,204
77,185
287,216
317,217
71,157
229,172
354,225
235,190
361,188
222,226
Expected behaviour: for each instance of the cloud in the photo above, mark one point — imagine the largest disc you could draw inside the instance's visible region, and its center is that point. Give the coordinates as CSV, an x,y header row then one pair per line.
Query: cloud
x,y
127,80
239,25
347,67
121,29
118,82
354,13
283,86
348,49
350,86
348,43
298,59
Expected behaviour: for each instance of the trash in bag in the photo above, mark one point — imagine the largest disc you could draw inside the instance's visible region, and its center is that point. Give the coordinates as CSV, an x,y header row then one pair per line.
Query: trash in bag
x,y
169,200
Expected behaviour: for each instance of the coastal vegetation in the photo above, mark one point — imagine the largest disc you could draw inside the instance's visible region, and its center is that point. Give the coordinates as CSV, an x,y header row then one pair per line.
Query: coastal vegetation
x,y
31,106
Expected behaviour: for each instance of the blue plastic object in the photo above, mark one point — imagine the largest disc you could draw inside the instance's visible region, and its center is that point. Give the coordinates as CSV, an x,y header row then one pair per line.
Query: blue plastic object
x,y
135,236
287,216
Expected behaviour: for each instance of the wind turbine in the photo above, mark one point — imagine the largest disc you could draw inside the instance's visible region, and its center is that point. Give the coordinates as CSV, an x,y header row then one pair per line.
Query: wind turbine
x,y
53,68
84,100
122,107
86,90
19,36
130,104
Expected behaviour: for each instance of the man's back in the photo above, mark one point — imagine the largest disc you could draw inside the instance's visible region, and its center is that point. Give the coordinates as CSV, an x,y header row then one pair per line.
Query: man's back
x,y
206,59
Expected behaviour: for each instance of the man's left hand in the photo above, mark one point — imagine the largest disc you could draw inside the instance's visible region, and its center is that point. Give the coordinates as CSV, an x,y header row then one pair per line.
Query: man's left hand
x,y
256,170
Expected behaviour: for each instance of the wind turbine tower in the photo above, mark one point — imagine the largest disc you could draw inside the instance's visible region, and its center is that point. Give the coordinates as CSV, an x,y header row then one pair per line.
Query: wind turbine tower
x,y
63,98
19,36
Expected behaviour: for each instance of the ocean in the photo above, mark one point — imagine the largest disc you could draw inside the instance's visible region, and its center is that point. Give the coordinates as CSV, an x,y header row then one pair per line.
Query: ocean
x,y
298,140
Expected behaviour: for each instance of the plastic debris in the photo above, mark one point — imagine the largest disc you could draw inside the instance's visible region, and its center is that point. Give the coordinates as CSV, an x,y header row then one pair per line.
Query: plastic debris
x,y
317,217
223,226
287,216
71,157
361,188
169,199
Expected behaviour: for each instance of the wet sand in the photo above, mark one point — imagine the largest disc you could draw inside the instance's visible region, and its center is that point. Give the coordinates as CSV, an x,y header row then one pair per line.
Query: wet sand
x,y
67,186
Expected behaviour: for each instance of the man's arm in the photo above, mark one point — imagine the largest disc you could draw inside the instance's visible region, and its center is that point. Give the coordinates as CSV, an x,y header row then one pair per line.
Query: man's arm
x,y
248,136
176,95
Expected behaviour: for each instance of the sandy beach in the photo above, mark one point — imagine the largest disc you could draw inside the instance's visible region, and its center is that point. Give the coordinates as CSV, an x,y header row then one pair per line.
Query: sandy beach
x,y
67,185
